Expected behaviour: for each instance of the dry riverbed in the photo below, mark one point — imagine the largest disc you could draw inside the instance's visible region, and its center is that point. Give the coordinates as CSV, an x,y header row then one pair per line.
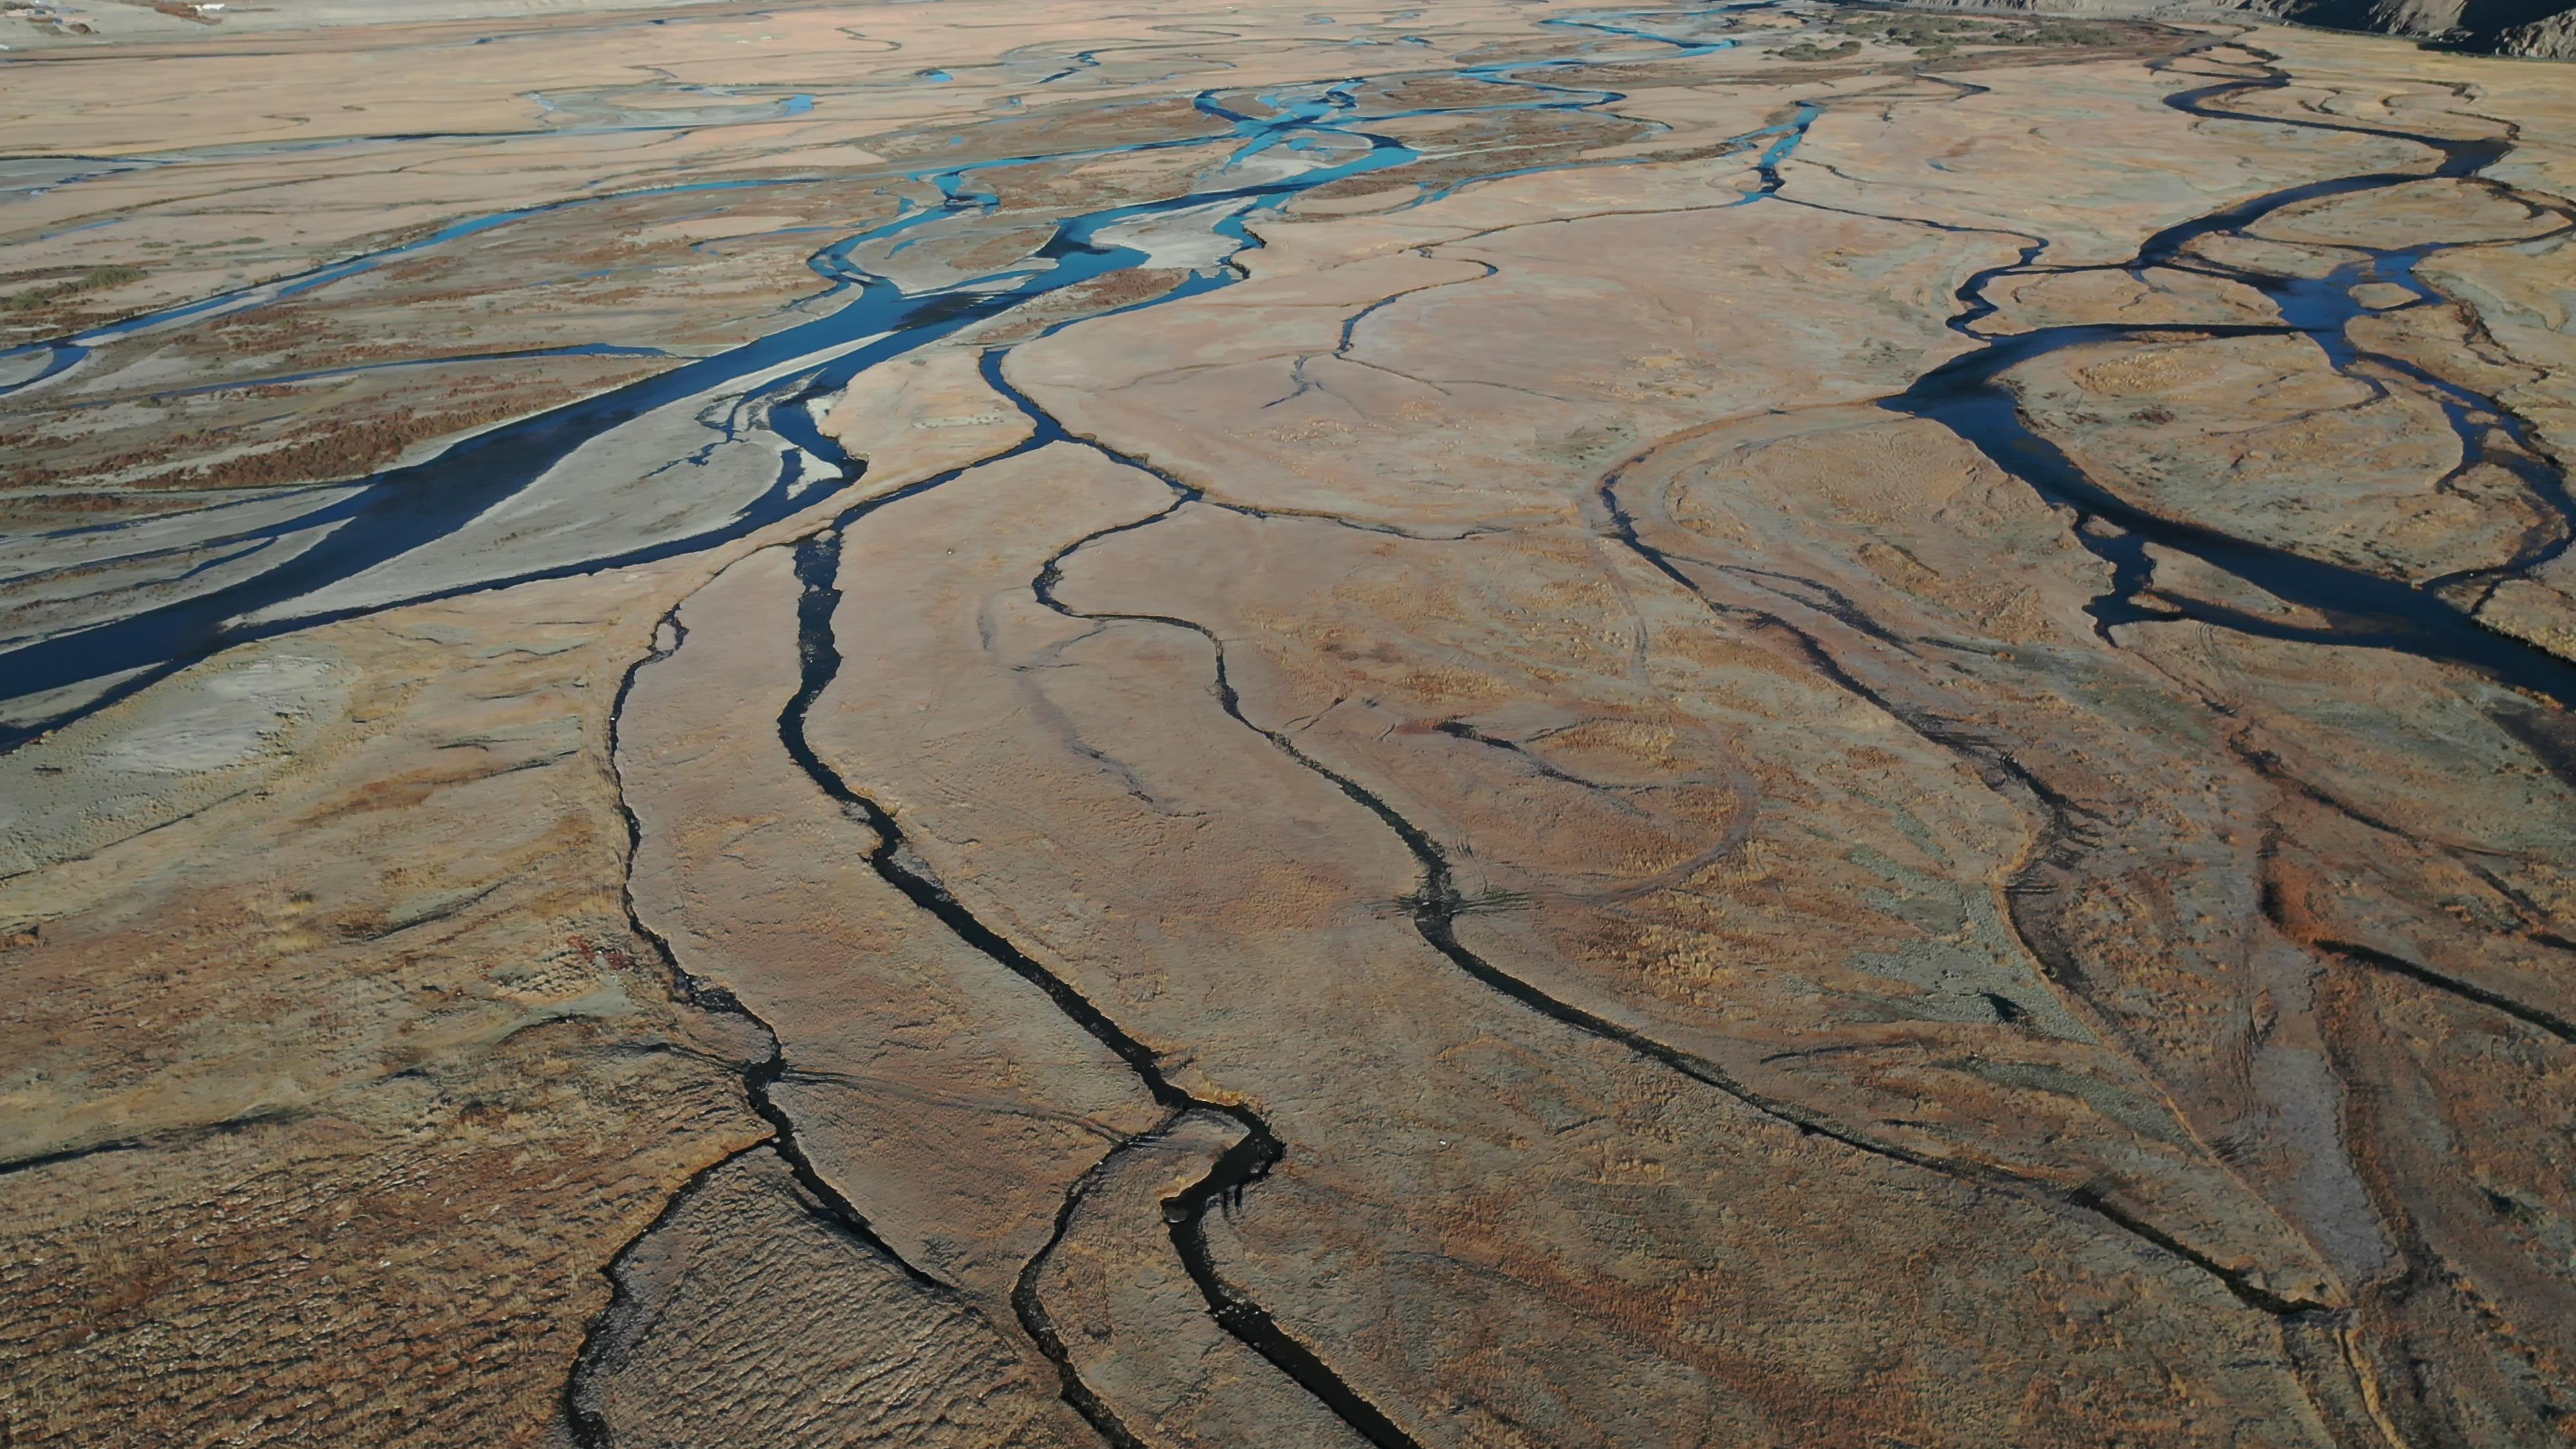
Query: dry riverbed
x,y
1240,724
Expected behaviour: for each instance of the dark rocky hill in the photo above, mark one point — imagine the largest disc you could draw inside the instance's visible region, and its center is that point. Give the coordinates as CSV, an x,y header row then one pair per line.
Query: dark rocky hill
x,y
2539,28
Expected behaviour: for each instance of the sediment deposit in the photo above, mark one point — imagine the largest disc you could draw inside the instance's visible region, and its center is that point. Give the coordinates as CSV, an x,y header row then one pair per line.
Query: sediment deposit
x,y
1235,725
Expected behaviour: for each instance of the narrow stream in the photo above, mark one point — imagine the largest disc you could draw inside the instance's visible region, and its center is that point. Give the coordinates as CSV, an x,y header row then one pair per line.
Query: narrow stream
x,y
1971,397
389,515
870,321
818,563
1290,115
2362,609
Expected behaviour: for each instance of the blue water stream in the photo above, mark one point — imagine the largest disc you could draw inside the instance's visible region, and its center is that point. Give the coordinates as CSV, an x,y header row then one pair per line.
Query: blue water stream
x,y
397,511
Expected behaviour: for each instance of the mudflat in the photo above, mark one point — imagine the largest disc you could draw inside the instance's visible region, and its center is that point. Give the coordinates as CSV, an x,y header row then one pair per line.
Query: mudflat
x,y
1225,725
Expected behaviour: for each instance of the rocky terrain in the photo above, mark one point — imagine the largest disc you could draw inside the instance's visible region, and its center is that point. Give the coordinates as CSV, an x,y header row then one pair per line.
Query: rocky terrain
x,y
2541,29
1481,725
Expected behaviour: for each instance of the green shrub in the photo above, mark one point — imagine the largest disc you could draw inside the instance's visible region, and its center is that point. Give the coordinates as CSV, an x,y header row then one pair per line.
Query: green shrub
x,y
37,298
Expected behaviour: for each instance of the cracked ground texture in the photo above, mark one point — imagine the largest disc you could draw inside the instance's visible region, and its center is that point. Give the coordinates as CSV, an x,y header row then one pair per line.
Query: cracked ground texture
x,y
1481,725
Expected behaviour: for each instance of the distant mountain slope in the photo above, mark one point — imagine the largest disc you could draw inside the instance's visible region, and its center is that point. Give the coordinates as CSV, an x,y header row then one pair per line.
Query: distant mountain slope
x,y
2541,28
2508,27
2552,36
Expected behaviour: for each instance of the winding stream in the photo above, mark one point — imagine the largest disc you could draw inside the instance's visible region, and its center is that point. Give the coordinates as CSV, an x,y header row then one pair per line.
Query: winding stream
x,y
767,389
1969,396
1972,397
760,390
1291,116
